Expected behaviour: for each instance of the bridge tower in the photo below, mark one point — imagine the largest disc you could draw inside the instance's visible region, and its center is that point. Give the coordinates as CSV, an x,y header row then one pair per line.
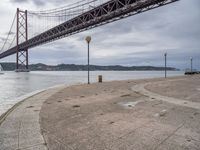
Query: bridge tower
x,y
21,36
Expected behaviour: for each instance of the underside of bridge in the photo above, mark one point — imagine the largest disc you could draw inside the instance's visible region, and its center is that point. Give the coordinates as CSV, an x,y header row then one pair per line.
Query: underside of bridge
x,y
110,11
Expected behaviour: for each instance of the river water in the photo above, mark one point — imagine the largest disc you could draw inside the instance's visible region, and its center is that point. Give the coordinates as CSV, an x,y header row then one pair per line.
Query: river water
x,y
16,86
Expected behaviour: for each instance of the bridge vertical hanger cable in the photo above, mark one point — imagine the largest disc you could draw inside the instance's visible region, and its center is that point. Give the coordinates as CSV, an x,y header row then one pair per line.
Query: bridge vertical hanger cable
x,y
53,17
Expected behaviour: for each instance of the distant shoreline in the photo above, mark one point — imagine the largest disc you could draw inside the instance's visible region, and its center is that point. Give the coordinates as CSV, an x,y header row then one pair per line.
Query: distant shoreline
x,y
75,67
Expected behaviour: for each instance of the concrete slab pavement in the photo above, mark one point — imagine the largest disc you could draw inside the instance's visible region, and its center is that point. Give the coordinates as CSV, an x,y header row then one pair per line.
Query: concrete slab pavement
x,y
21,128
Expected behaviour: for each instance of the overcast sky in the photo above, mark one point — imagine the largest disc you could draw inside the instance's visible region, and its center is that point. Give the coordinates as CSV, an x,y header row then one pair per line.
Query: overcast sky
x,y
138,40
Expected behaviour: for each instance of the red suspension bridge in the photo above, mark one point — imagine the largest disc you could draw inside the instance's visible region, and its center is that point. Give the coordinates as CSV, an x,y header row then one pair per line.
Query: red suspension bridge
x,y
33,28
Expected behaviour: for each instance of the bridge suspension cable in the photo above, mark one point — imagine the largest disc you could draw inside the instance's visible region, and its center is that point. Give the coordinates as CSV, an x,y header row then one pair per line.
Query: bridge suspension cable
x,y
11,36
72,6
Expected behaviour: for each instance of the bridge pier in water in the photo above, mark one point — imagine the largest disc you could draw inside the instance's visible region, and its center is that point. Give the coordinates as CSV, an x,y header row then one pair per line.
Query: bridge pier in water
x,y
21,36
22,61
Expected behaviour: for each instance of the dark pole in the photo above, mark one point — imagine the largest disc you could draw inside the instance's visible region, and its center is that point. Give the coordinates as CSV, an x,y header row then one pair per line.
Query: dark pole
x,y
17,40
26,18
165,65
191,63
88,63
88,39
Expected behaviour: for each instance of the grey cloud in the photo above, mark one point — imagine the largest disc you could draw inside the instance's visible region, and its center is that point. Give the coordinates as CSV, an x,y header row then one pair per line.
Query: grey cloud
x,y
11,33
127,44
178,60
19,1
2,39
61,52
39,2
36,2
102,33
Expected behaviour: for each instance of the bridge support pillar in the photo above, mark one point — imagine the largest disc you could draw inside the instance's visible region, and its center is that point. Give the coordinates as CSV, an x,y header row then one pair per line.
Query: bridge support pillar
x,y
21,36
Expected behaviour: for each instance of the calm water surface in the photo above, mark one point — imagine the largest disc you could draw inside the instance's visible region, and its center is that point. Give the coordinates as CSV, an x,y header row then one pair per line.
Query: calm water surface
x,y
13,86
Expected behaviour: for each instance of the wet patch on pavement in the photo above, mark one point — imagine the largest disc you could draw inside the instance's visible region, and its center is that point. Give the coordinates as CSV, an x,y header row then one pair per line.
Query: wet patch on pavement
x,y
129,104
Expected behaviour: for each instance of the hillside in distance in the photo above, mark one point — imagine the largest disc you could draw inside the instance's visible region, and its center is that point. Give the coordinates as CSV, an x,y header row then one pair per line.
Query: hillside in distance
x,y
73,67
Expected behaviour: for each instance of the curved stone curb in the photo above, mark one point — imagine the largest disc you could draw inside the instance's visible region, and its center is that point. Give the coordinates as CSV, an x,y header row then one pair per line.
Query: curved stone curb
x,y
20,127
4,115
141,89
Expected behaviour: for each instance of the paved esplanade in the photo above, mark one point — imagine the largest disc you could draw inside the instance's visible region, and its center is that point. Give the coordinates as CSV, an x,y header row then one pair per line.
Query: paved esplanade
x,y
125,115
21,128
149,114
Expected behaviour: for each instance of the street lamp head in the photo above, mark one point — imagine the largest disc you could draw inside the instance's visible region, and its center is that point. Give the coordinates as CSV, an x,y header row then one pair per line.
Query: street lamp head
x,y
191,58
165,54
88,39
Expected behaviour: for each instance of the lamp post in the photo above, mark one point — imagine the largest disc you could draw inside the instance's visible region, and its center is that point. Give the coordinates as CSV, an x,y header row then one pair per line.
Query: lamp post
x,y
191,59
88,39
165,65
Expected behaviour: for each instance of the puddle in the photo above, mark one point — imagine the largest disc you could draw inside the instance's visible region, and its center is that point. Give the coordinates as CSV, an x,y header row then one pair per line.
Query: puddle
x,y
111,122
36,110
129,104
30,107
76,106
161,113
126,95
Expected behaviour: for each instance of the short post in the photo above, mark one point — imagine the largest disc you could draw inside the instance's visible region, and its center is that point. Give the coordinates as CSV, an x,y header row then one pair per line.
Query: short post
x,y
191,59
88,39
165,65
100,78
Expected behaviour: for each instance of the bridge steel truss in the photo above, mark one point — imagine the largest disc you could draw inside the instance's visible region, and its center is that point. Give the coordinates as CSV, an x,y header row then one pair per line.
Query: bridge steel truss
x,y
108,12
